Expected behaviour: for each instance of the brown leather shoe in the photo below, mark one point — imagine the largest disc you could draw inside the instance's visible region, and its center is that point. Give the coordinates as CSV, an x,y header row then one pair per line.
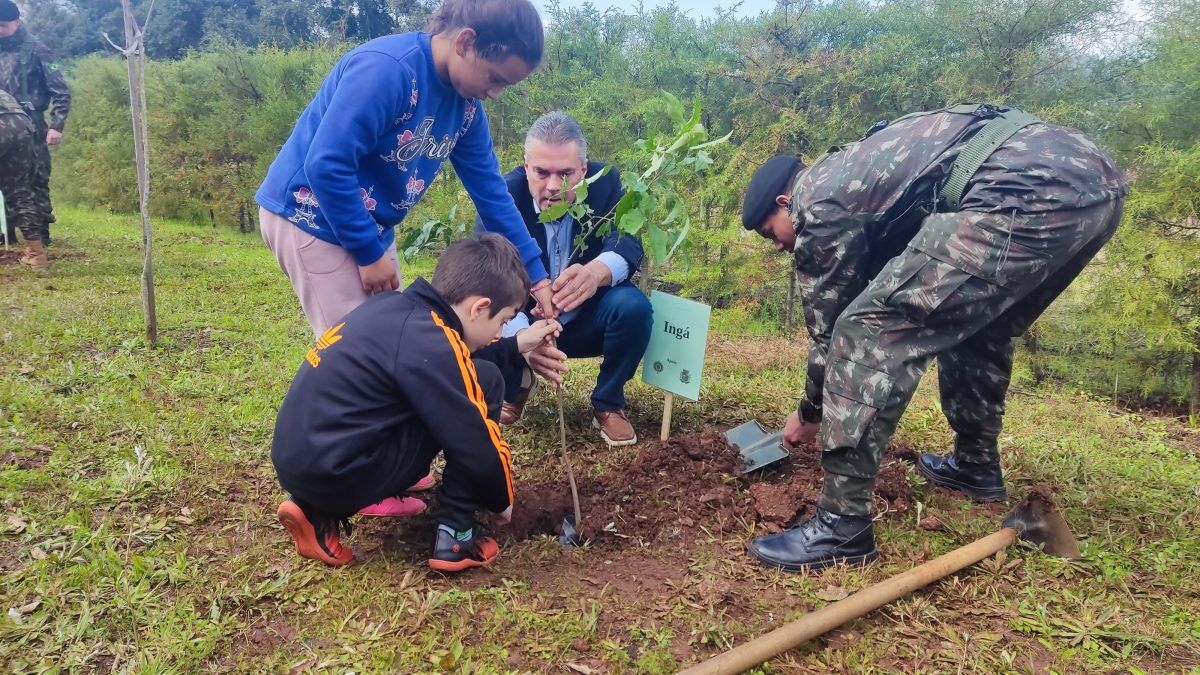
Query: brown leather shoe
x,y
512,411
614,428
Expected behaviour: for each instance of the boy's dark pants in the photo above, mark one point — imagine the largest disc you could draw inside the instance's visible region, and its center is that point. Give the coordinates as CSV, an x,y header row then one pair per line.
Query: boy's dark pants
x,y
417,447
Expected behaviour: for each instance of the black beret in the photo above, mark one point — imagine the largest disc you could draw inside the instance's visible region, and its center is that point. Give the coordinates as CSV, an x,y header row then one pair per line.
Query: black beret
x,y
9,11
767,183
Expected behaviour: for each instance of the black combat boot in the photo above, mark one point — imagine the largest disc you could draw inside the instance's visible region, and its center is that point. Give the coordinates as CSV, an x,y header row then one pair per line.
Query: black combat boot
x,y
981,482
825,539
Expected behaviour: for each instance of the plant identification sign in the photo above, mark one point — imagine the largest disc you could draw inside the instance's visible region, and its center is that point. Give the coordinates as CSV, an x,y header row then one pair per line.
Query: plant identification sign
x,y
675,358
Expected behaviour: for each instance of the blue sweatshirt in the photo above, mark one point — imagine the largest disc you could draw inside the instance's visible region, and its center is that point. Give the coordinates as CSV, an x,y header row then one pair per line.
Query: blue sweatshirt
x,y
373,139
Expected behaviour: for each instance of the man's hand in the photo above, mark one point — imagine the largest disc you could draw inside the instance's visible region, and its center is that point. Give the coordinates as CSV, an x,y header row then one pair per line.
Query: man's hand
x,y
545,303
547,361
505,516
53,137
379,276
539,333
797,432
578,282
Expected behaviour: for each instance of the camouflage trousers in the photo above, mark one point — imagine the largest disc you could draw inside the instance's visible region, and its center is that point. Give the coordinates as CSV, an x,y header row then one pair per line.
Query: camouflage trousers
x,y
41,178
16,176
967,285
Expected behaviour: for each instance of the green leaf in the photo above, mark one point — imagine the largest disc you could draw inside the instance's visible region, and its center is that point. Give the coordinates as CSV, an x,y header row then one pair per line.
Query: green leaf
x,y
558,210
658,242
700,161
674,107
710,144
677,209
634,182
600,174
632,222
628,201
695,133
679,236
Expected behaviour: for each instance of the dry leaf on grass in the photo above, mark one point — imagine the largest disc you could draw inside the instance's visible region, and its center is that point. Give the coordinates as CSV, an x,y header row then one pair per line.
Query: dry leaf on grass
x,y
833,593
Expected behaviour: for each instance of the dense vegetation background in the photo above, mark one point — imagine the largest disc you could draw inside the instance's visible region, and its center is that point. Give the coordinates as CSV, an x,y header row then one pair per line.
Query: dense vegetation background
x,y
229,77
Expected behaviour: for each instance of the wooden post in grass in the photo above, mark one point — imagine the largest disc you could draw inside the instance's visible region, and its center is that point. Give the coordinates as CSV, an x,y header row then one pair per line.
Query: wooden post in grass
x,y
668,407
135,60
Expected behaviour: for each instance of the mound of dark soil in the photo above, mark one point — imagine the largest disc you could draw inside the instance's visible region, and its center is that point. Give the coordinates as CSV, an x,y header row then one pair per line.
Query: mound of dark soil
x,y
790,495
677,487
670,488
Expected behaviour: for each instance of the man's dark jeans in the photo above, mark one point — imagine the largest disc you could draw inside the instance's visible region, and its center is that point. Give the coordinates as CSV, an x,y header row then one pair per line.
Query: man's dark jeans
x,y
615,325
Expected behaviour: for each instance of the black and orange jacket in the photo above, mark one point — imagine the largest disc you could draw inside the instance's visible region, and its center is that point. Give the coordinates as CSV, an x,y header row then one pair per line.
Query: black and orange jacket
x,y
397,359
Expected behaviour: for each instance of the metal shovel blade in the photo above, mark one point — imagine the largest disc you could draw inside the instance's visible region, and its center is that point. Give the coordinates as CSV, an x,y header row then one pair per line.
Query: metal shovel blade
x,y
1038,521
570,535
757,447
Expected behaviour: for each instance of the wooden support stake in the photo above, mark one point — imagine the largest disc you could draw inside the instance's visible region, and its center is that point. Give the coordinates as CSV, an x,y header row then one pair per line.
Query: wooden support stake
x,y
668,406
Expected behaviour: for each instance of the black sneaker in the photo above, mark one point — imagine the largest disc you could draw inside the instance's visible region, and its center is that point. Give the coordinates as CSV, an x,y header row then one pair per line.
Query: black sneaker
x,y
457,551
981,482
823,540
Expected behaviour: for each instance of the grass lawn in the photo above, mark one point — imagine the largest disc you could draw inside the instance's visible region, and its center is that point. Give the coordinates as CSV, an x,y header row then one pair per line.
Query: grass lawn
x,y
138,534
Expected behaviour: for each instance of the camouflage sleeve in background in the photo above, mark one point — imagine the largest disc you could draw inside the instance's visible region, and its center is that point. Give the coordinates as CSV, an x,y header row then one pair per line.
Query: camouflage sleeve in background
x,y
56,87
832,255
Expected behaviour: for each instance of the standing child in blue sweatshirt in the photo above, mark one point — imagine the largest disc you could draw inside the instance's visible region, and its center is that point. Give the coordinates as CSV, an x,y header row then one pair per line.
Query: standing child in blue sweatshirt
x,y
373,139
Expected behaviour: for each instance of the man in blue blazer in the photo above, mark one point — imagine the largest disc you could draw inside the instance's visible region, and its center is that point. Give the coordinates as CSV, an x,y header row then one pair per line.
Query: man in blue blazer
x,y
602,313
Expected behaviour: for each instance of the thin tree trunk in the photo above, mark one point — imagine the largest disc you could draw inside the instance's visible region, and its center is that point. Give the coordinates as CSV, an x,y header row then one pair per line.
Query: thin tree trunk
x,y
1194,403
135,59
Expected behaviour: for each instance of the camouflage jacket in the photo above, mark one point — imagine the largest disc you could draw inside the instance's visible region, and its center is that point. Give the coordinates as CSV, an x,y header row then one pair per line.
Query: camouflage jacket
x,y
859,205
28,72
9,105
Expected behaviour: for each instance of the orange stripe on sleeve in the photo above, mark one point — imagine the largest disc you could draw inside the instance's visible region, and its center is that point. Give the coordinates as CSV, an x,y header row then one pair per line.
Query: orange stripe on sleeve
x,y
475,394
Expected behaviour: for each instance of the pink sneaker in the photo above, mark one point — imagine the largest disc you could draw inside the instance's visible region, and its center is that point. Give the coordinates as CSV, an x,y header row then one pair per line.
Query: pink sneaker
x,y
394,507
424,484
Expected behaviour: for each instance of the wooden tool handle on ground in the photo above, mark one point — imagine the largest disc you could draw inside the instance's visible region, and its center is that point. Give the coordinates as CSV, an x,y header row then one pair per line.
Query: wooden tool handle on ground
x,y
831,616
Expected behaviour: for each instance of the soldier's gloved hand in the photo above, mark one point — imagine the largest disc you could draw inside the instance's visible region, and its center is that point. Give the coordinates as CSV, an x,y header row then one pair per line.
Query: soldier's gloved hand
x,y
53,137
797,432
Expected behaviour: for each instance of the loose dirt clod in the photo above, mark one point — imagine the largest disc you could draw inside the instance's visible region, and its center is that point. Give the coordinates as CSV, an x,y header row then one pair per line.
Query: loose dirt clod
x,y
932,523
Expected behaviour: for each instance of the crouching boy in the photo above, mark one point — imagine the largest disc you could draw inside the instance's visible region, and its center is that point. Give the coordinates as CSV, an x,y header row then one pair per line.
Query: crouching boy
x,y
404,376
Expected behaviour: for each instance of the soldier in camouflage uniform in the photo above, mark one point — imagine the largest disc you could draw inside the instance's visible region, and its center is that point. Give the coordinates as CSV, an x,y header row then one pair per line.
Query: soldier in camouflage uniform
x,y
28,72
892,278
16,178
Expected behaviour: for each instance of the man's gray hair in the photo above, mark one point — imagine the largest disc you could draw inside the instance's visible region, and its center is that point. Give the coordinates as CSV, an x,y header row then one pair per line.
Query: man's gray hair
x,y
556,128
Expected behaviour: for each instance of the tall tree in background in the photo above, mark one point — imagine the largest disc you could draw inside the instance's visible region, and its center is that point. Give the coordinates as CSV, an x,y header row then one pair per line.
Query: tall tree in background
x,y
73,28
1148,291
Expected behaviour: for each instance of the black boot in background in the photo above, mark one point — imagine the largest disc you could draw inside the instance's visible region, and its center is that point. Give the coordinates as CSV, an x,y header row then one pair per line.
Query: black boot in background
x,y
981,482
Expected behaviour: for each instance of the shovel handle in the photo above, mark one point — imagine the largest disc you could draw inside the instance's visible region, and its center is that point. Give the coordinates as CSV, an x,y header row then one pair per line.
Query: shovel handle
x,y
562,446
833,615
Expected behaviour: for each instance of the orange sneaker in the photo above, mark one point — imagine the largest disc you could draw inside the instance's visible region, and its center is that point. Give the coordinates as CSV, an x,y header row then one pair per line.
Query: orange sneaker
x,y
457,552
316,541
